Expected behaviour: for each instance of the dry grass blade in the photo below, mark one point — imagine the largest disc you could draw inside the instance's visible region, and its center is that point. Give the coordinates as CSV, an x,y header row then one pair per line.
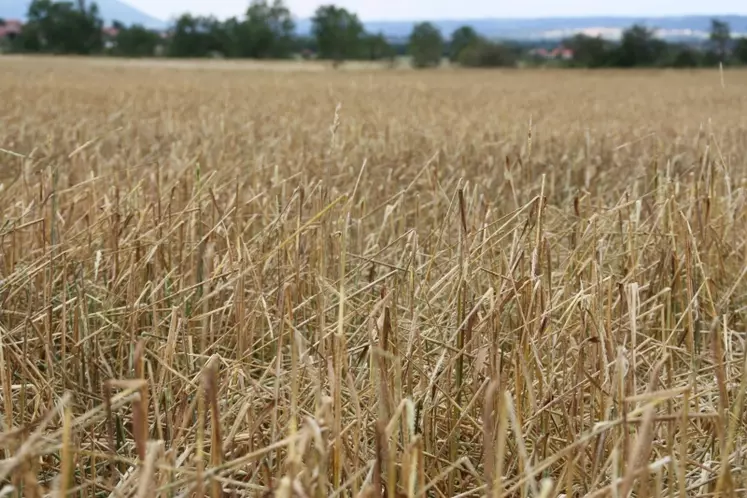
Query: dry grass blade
x,y
146,486
216,443
642,447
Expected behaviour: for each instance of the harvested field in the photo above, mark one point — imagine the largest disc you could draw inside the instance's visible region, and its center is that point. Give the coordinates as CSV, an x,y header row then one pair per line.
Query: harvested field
x,y
371,283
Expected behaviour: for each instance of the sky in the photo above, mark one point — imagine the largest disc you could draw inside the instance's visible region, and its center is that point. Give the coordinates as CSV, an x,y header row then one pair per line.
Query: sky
x,y
380,10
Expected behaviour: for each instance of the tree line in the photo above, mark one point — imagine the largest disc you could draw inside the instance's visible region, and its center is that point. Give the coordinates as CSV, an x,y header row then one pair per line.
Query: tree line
x,y
639,47
267,30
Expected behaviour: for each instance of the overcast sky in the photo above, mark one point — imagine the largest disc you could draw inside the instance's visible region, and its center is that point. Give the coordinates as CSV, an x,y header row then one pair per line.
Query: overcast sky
x,y
372,10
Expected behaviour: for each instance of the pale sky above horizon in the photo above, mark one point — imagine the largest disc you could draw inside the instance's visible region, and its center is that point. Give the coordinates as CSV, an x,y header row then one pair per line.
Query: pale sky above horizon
x,y
380,10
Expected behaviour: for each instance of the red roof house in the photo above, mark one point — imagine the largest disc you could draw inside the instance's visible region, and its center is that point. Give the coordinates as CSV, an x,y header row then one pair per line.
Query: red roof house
x,y
11,28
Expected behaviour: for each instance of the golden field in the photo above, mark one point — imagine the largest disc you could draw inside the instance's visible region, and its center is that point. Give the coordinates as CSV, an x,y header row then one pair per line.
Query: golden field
x,y
371,283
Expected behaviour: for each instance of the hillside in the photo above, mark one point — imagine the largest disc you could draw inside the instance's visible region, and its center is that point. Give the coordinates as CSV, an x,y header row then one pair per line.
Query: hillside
x,y
111,10
685,27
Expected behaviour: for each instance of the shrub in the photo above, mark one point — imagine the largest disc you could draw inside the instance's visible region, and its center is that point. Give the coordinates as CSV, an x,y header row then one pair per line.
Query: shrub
x,y
487,54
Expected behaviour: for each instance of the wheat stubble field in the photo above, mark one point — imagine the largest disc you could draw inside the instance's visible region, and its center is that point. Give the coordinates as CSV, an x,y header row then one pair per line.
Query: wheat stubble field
x,y
401,284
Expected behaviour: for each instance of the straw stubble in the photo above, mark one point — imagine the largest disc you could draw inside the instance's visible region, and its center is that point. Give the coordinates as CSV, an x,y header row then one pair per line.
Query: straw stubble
x,y
386,284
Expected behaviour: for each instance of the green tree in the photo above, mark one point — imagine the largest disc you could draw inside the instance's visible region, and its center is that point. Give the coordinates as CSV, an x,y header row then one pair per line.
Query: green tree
x,y
461,38
483,53
227,36
684,57
305,45
195,36
426,45
740,50
720,37
268,32
186,38
338,33
30,39
639,47
220,38
135,41
62,27
376,47
589,51
5,43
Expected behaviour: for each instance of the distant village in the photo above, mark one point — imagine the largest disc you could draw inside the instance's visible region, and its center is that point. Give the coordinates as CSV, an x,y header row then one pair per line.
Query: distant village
x,y
558,53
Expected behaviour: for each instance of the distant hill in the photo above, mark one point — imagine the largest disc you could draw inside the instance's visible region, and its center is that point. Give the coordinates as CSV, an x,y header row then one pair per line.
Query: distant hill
x,y
111,10
671,28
